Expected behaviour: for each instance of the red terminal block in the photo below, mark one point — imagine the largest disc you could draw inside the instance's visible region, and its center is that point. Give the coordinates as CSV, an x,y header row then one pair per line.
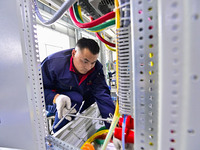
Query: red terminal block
x,y
129,134
129,122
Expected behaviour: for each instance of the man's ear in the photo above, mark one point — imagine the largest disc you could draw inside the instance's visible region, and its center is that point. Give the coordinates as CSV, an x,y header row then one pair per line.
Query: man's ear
x,y
73,53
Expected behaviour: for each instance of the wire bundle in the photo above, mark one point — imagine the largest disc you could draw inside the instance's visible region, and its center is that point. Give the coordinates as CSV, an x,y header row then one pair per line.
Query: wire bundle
x,y
95,25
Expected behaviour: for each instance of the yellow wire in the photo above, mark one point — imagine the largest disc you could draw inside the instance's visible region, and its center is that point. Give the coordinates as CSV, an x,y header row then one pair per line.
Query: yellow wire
x,y
92,138
80,14
112,49
117,27
116,114
79,11
112,126
95,31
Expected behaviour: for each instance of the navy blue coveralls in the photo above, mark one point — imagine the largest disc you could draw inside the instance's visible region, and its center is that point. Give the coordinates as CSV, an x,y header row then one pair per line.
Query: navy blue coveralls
x,y
58,79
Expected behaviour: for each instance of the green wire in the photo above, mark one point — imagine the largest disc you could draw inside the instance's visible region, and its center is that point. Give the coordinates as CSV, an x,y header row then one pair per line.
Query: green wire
x,y
77,14
103,25
96,28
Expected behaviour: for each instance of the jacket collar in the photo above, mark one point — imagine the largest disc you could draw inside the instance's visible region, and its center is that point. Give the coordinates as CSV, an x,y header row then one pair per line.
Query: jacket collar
x,y
82,77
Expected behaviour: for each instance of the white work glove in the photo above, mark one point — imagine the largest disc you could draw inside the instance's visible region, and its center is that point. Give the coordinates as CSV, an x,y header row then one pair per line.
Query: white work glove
x,y
62,101
65,111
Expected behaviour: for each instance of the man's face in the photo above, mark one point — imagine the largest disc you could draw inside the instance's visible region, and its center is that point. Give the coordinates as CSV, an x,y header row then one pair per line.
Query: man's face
x,y
83,60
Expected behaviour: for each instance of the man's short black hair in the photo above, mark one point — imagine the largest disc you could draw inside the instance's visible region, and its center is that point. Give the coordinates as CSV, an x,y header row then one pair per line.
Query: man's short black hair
x,y
92,45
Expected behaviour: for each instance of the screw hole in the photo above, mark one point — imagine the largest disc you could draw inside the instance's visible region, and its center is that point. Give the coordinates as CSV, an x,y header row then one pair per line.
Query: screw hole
x,y
150,36
175,50
172,131
150,18
196,16
174,92
151,63
151,72
140,20
151,143
151,98
150,45
174,4
173,140
150,89
150,27
141,38
175,38
174,27
150,129
140,29
140,11
174,16
150,55
191,131
173,122
174,103
141,88
194,77
150,9
174,82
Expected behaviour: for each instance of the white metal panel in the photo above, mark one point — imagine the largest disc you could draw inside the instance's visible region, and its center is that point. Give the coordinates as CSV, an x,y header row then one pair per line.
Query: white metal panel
x,y
144,25
22,114
179,75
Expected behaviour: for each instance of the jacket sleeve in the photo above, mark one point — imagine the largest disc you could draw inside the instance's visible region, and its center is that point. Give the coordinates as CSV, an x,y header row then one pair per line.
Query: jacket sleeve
x,y
102,96
48,81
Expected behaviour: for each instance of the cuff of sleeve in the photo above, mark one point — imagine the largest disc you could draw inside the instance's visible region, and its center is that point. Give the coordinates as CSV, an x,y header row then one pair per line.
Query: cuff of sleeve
x,y
54,99
107,125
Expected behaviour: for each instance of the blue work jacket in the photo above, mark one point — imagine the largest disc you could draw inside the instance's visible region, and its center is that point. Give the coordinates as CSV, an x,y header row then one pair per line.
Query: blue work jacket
x,y
58,79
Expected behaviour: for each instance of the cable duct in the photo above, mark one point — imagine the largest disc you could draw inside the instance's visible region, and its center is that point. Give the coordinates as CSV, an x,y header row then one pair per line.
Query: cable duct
x,y
124,60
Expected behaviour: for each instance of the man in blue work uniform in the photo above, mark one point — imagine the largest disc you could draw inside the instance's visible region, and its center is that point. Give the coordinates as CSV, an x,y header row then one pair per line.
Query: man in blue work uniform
x,y
73,76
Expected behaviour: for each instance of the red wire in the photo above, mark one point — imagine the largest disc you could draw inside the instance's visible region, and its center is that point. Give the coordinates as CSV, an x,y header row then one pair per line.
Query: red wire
x,y
103,40
96,22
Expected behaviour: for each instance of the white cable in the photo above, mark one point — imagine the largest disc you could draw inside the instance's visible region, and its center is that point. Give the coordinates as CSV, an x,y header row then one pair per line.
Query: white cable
x,y
65,6
81,116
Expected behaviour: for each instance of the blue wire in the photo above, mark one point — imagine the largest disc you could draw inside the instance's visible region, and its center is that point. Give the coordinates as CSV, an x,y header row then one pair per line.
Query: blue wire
x,y
123,132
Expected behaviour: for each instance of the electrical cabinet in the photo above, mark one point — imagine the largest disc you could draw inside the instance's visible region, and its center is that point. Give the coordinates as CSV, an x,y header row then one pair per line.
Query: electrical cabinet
x,y
163,65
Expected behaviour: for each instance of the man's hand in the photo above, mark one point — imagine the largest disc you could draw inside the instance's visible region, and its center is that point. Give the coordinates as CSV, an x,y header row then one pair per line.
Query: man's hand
x,y
65,111
62,101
